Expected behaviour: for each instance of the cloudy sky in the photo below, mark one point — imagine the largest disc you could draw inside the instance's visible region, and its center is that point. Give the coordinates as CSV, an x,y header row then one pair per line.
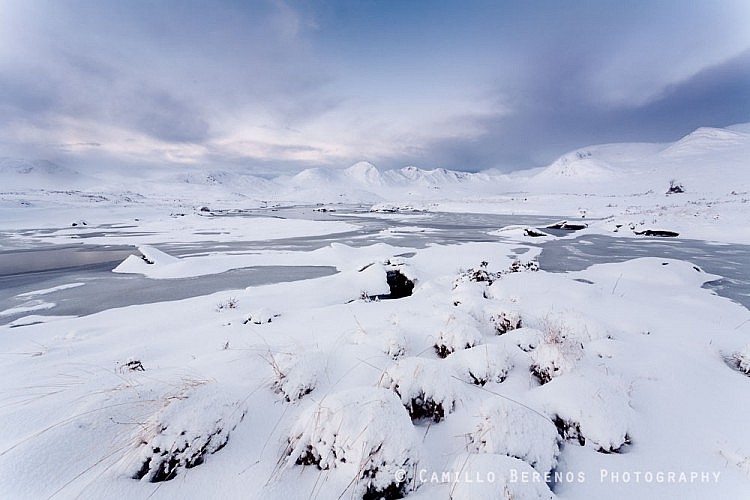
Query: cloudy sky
x,y
280,85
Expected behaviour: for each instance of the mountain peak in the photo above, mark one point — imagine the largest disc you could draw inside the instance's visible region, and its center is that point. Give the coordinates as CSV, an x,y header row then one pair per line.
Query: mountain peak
x,y
704,139
365,173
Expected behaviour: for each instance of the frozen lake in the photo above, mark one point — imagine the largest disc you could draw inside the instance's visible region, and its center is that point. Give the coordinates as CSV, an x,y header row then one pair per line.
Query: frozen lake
x,y
53,267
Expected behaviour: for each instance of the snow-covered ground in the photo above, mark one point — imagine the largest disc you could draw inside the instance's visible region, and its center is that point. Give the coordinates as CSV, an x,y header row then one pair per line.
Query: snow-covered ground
x,y
426,367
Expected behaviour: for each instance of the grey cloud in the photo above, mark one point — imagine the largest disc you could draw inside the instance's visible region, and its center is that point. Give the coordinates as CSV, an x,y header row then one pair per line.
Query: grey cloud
x,y
24,96
550,124
165,69
164,117
187,72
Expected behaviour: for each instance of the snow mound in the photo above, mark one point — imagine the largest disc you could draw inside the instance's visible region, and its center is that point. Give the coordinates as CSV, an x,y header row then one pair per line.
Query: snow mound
x,y
426,389
150,256
590,407
741,360
191,425
504,320
363,432
482,364
509,428
459,332
649,272
496,477
562,345
296,374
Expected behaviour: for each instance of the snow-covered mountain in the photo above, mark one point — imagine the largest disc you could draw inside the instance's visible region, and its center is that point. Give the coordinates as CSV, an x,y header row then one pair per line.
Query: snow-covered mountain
x,y
365,174
706,139
706,160
18,173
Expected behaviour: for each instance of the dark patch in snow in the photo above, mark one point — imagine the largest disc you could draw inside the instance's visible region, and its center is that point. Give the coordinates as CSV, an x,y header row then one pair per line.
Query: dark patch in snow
x,y
400,285
482,275
506,321
620,449
134,365
423,408
569,430
661,233
406,255
675,187
393,491
583,280
567,226
366,428
737,362
190,425
443,350
163,465
542,374
533,233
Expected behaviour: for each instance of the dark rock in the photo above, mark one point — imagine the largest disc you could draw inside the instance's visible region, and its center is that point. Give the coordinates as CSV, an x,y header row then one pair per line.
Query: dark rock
x,y
566,226
675,187
569,430
657,232
533,233
400,285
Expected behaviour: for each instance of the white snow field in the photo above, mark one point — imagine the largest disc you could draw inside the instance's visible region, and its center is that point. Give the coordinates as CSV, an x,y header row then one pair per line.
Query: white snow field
x,y
435,362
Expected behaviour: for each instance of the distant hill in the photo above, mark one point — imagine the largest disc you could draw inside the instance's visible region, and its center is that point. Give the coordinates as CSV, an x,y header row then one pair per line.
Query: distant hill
x,y
708,159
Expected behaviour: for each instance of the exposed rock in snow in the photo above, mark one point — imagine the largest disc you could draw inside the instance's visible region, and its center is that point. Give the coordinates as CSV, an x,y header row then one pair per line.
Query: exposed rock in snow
x,y
261,316
657,232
